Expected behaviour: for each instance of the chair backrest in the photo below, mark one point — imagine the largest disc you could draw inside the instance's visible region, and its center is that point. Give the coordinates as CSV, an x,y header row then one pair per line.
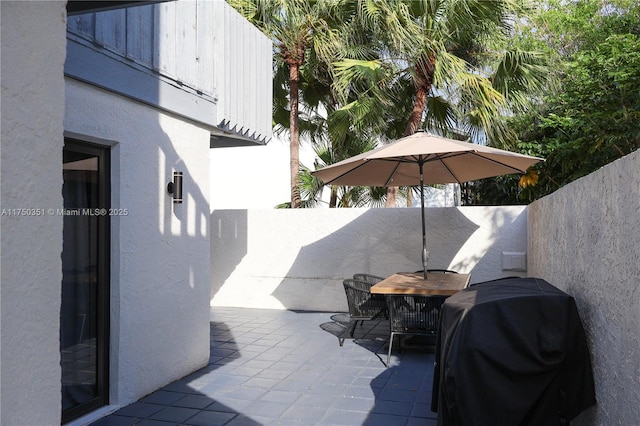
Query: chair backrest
x,y
415,314
357,294
362,304
373,279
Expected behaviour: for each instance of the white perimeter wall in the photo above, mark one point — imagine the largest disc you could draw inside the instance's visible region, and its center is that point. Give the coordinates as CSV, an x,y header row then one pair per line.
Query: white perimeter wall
x,y
33,54
585,239
160,250
297,259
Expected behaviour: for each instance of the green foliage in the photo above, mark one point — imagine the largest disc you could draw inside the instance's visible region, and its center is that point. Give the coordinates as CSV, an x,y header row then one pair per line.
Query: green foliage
x,y
595,116
342,196
376,70
456,51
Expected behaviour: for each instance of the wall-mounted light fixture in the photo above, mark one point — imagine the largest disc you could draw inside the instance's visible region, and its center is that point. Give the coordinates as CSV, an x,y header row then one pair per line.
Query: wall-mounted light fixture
x,y
175,188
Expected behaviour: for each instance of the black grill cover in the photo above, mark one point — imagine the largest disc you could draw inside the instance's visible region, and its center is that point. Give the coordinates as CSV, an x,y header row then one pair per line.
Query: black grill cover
x,y
511,352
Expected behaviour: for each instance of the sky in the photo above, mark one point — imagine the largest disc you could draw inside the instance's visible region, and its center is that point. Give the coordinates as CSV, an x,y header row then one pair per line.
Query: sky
x,y
255,177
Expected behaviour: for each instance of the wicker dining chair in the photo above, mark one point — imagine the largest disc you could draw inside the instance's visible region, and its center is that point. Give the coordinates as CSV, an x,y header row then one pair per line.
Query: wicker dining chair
x,y
412,315
363,306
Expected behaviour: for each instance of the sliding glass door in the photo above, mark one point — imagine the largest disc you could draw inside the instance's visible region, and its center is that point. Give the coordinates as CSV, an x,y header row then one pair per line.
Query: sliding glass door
x,y
84,314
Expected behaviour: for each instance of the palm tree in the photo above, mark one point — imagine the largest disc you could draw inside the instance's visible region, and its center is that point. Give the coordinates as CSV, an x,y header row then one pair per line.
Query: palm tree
x,y
296,28
446,52
341,196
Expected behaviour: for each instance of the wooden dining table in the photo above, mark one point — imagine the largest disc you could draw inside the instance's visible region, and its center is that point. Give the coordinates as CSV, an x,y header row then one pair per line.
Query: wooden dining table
x,y
436,284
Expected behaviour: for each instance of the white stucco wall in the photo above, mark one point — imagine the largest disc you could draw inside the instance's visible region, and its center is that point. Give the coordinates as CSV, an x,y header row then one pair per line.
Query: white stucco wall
x,y
297,259
585,239
160,250
33,53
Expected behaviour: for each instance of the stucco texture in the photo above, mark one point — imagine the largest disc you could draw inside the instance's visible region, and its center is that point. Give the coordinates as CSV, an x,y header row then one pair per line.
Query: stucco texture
x,y
33,33
297,259
585,239
160,250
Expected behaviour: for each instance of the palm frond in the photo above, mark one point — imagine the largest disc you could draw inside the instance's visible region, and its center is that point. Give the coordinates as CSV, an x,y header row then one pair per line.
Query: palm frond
x,y
519,75
441,114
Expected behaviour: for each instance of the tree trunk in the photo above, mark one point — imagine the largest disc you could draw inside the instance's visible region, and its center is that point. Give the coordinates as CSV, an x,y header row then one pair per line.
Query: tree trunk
x,y
333,200
423,79
294,129
419,104
392,192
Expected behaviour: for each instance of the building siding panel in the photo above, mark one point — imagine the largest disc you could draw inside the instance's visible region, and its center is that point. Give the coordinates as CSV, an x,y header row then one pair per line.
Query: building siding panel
x,y
247,75
202,47
139,32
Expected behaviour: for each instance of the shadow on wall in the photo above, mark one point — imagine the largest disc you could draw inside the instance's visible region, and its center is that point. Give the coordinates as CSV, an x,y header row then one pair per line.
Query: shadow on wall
x,y
227,225
504,233
379,242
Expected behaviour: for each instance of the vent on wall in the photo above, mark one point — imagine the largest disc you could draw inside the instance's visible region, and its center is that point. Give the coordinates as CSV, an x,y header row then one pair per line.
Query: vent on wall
x,y
514,261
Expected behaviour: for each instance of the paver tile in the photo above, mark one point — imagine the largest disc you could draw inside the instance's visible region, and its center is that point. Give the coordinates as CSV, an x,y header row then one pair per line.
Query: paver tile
x,y
210,418
281,367
174,414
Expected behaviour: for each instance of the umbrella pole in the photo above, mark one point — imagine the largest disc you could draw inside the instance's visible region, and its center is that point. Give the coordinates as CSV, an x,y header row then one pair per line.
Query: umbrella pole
x,y
425,255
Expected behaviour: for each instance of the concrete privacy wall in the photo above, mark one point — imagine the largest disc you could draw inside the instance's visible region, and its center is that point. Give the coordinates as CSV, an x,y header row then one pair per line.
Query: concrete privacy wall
x,y
585,239
160,250
297,259
33,53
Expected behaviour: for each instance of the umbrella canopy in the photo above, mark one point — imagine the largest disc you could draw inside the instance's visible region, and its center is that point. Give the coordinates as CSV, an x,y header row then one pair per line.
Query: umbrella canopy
x,y
424,158
444,160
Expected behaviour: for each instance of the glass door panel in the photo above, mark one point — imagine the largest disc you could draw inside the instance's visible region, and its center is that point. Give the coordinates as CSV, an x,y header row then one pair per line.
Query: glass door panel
x,y
85,279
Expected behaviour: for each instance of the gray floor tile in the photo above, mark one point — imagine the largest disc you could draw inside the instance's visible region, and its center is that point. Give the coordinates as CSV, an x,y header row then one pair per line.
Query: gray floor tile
x,y
361,405
418,421
292,385
228,405
392,407
174,414
258,364
139,409
397,395
163,397
116,420
148,422
244,420
268,356
210,418
245,371
260,382
246,393
320,388
302,415
274,374
280,367
182,386
423,410
322,401
285,397
340,417
384,420
267,409
359,392
194,401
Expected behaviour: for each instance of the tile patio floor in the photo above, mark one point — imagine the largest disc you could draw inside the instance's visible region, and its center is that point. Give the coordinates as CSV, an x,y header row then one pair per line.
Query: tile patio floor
x,y
272,367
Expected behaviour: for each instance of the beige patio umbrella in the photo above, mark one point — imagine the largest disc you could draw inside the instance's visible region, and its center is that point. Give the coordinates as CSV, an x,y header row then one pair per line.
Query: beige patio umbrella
x,y
424,158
